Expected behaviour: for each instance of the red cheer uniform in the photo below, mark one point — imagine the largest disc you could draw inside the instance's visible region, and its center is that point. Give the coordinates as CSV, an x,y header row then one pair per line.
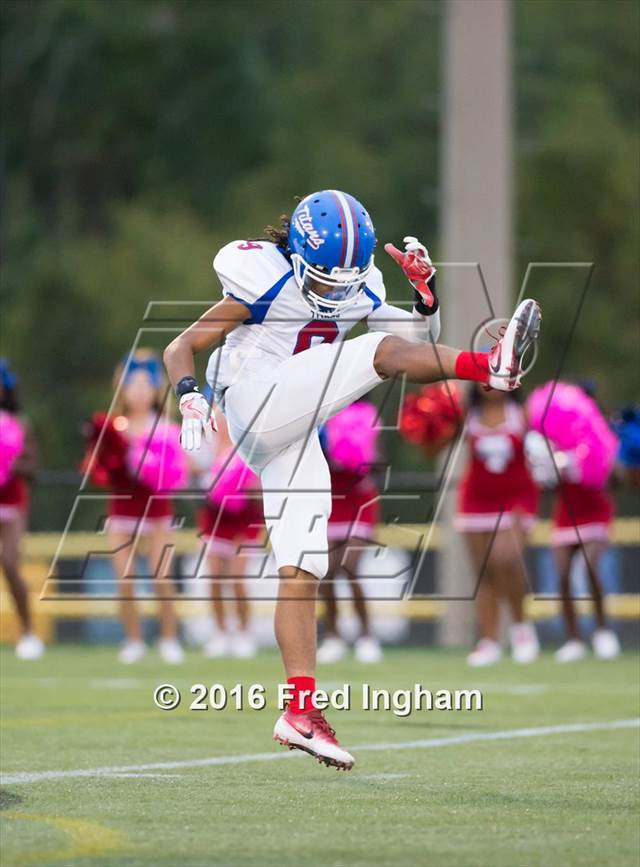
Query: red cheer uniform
x,y
497,485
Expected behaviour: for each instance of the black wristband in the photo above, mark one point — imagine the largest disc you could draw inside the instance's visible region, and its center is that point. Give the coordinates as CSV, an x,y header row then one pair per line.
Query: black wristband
x,y
420,306
186,385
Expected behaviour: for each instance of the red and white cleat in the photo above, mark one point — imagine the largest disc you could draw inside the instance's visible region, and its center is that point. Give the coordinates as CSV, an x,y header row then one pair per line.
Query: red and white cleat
x,y
506,357
312,733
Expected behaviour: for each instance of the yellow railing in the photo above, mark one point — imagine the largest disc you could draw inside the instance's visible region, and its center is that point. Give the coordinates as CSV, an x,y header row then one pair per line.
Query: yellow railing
x,y
40,548
626,531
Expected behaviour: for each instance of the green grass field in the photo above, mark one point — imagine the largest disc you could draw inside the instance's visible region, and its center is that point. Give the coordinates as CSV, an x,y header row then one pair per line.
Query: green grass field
x,y
551,798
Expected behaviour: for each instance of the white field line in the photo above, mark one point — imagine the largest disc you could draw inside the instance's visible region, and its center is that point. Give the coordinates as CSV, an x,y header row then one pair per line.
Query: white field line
x,y
115,683
374,778
242,758
145,776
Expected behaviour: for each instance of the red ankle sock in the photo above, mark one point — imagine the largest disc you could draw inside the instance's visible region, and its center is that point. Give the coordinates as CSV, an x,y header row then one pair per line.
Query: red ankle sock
x,y
301,704
473,366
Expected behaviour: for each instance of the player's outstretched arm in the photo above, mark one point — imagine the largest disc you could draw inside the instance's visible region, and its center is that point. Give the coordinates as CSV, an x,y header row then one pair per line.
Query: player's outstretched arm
x,y
208,331
422,324
409,324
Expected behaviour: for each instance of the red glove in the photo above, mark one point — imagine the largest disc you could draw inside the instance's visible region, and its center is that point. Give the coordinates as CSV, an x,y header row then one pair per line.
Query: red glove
x,y
417,266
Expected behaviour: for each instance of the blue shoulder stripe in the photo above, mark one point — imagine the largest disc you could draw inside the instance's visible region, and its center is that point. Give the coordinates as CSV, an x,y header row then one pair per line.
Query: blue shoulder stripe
x,y
259,309
376,301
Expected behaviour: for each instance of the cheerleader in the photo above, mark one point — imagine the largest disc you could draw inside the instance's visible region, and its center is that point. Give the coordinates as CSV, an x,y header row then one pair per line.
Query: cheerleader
x,y
585,449
17,467
349,440
497,502
231,518
136,454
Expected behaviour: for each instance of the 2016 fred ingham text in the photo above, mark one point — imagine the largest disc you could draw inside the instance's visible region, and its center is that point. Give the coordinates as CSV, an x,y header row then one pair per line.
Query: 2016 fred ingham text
x,y
402,702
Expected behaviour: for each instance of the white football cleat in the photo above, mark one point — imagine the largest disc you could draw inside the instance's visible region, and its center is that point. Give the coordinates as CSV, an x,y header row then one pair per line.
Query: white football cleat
x,y
312,733
571,651
506,357
171,651
605,643
29,647
132,652
218,646
331,650
487,652
243,645
368,650
525,646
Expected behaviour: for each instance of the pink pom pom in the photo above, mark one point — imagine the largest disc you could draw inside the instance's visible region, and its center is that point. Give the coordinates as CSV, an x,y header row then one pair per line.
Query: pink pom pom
x,y
231,480
572,422
11,443
158,461
351,437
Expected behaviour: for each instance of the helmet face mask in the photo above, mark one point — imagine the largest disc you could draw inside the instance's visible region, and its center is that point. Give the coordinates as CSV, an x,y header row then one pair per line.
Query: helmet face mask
x,y
343,286
331,240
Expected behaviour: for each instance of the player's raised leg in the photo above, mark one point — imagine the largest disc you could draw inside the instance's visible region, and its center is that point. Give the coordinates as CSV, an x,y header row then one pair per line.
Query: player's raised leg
x,y
302,392
501,368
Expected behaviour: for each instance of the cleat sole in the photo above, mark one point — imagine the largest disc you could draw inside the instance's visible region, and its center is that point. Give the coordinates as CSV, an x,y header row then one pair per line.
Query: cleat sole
x,y
527,332
528,328
323,760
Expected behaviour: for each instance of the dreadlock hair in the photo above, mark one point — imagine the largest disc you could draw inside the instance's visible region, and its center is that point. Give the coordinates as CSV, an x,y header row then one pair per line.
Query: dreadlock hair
x,y
279,235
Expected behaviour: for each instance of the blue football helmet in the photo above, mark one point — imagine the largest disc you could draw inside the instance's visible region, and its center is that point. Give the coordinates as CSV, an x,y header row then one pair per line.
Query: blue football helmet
x,y
331,240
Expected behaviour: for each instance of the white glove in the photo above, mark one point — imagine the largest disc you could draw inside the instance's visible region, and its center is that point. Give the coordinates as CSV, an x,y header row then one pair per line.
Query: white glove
x,y
198,419
412,245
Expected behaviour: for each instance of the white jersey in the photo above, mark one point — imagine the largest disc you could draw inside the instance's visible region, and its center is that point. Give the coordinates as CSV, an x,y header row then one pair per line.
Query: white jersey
x,y
282,373
280,322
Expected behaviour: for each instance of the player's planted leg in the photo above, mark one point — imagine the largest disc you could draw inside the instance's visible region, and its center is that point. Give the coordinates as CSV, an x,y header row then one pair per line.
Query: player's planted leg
x,y
295,621
302,726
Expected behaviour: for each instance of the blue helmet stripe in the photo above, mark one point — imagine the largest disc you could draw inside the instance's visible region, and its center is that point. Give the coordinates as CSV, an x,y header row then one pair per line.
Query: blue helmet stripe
x,y
348,227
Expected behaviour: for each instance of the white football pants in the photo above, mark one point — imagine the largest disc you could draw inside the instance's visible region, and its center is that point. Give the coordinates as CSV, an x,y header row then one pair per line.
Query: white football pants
x,y
273,417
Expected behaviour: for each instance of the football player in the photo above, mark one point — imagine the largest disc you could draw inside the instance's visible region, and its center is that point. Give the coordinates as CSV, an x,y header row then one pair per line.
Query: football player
x,y
282,367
